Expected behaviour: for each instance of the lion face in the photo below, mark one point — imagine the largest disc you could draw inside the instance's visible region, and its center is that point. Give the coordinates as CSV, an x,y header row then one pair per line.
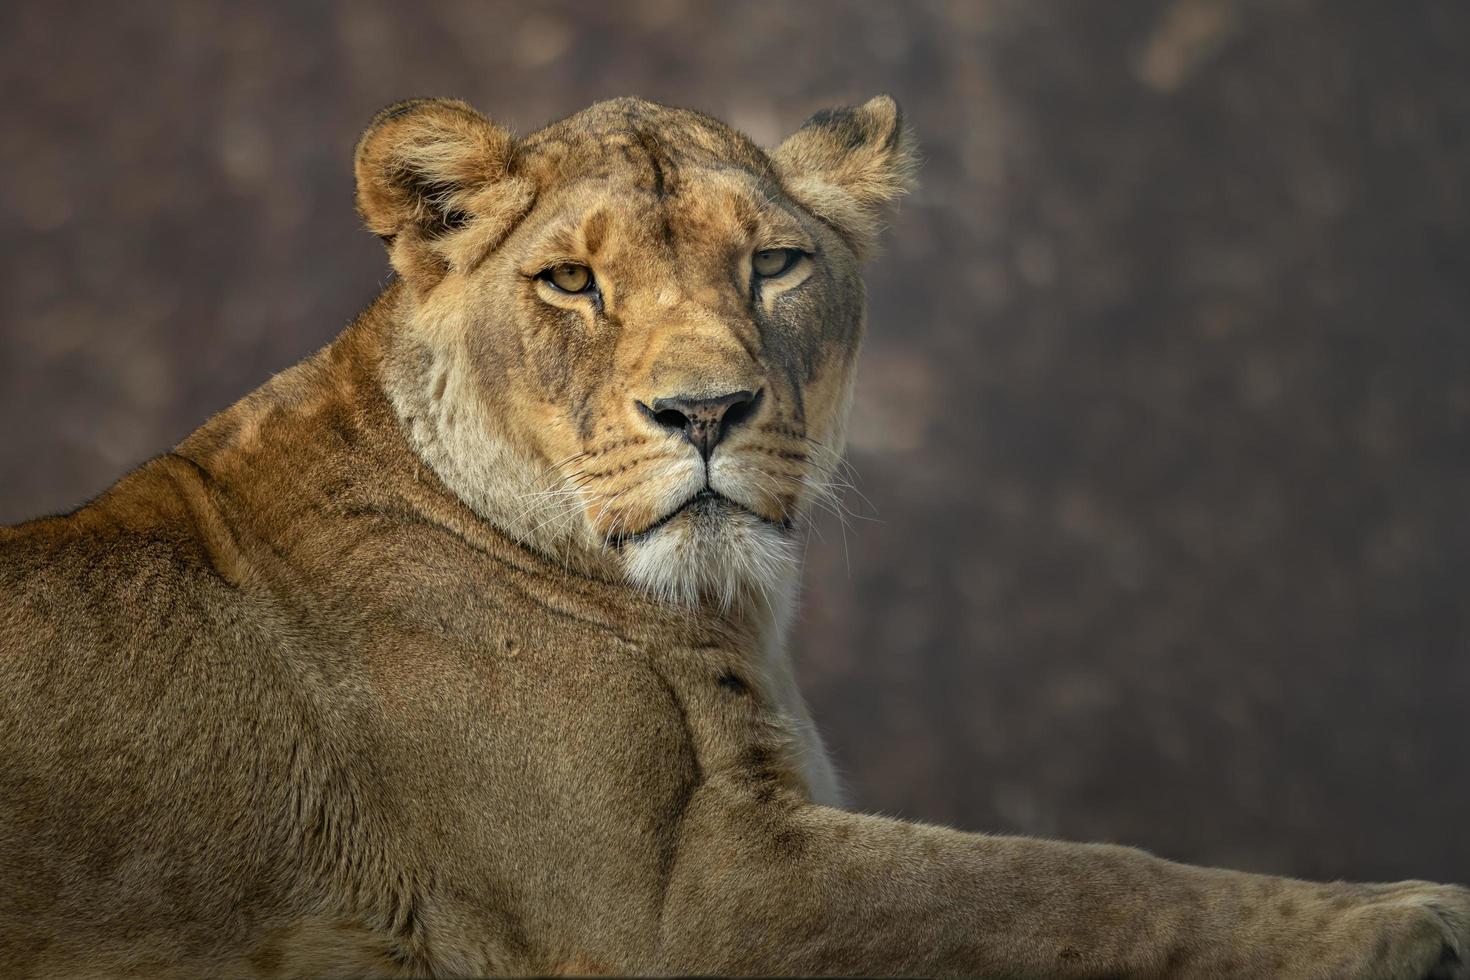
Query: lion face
x,y
633,334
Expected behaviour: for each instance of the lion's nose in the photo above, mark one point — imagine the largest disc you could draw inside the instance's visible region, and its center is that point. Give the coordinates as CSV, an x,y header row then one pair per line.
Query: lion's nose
x,y
704,421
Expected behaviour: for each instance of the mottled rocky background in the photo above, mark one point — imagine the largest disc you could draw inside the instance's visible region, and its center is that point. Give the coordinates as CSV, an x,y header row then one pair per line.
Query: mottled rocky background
x,y
1166,409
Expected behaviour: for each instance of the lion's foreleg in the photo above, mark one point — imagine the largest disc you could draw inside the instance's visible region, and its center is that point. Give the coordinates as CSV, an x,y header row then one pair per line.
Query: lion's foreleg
x,y
771,887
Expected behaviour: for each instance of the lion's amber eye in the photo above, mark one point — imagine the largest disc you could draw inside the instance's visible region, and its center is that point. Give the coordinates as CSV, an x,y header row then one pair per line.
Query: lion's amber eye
x,y
771,262
569,278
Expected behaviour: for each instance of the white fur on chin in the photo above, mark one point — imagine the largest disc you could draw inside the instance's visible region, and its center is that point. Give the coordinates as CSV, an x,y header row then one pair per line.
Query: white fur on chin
x,y
724,554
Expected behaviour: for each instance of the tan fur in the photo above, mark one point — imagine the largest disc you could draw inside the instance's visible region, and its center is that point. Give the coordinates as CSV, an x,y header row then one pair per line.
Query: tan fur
x,y
401,666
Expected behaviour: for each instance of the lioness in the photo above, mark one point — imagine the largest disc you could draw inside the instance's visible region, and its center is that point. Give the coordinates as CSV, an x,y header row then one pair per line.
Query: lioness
x,y
457,648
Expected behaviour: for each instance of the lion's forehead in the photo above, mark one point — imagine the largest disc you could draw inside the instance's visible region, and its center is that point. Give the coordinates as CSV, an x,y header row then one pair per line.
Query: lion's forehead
x,y
715,212
656,147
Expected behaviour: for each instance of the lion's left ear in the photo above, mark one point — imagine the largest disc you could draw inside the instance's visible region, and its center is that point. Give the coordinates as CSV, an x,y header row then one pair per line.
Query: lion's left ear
x,y
849,166
434,182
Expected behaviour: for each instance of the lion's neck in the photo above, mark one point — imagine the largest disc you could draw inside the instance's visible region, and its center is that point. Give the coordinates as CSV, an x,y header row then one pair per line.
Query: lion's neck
x,y
452,425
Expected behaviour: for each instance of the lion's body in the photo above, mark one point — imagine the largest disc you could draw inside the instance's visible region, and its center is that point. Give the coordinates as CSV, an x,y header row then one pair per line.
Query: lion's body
x,y
347,686
382,718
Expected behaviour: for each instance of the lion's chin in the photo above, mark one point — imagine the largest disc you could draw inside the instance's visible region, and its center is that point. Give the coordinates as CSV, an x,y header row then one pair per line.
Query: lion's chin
x,y
717,552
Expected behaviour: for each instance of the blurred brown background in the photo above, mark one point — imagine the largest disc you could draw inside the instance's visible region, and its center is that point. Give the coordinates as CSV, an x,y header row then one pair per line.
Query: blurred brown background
x,y
1166,407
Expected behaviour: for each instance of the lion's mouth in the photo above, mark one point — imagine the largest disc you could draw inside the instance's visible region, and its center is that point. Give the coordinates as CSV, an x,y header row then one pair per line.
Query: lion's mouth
x,y
707,504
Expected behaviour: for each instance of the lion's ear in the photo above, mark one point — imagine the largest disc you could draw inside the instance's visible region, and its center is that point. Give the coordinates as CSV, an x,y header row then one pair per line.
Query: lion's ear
x,y
434,182
849,166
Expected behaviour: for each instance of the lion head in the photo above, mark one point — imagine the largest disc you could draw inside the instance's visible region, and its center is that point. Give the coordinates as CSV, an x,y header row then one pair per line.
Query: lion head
x,y
631,336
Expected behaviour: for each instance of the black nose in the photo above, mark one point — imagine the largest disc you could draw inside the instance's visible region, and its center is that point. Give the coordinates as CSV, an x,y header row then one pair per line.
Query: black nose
x,y
704,421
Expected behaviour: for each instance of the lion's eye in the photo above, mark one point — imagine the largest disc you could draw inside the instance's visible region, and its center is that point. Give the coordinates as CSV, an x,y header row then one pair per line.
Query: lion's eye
x,y
771,262
569,278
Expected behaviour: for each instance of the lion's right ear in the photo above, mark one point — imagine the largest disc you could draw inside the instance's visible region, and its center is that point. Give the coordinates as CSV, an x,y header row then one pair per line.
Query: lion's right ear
x,y
434,182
